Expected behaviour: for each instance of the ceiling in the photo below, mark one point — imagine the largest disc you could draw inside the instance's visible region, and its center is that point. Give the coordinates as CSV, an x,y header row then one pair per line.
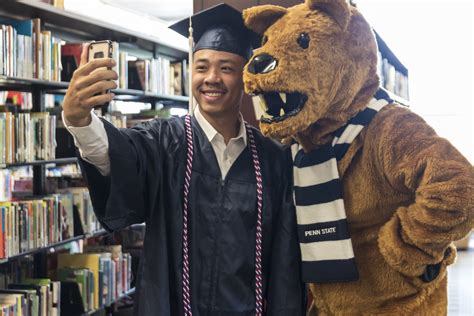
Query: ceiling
x,y
168,10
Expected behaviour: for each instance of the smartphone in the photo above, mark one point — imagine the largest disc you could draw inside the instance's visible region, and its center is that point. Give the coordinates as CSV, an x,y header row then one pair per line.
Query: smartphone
x,y
104,49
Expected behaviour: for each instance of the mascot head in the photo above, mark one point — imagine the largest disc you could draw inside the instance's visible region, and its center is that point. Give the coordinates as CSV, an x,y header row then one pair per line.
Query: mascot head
x,y
316,68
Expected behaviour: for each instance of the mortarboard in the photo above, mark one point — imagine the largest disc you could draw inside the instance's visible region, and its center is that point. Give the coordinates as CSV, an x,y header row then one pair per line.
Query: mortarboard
x,y
220,28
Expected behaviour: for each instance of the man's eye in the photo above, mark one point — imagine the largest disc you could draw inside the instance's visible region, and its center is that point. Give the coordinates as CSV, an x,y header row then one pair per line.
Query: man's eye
x,y
201,68
227,69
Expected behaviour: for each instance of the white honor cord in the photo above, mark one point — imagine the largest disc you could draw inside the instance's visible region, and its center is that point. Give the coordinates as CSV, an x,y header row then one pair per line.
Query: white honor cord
x,y
190,77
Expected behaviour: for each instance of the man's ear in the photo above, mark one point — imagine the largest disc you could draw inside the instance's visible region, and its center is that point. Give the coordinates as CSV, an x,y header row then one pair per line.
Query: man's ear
x,y
259,18
339,10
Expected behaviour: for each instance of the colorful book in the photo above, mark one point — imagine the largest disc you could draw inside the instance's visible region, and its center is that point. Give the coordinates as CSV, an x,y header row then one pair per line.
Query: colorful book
x,y
89,261
79,276
70,59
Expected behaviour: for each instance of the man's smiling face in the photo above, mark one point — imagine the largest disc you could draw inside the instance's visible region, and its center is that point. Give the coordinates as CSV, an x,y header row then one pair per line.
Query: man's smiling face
x,y
217,81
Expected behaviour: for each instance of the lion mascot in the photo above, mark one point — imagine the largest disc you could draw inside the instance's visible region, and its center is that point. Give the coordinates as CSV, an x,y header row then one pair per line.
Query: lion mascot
x,y
379,196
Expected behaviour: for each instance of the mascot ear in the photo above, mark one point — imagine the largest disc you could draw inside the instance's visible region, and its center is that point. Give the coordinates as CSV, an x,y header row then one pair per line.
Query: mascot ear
x,y
259,18
339,10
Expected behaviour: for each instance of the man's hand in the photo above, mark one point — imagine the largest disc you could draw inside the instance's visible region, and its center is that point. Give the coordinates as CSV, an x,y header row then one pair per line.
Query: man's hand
x,y
87,81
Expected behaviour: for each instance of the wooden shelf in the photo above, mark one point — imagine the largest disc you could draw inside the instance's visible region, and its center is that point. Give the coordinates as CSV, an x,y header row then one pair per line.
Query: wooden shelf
x,y
87,27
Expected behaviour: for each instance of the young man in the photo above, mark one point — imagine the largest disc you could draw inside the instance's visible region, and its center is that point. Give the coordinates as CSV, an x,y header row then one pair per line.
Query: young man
x,y
215,194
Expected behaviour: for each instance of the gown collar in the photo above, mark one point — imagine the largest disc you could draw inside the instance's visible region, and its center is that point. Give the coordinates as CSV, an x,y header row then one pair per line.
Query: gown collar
x,y
211,132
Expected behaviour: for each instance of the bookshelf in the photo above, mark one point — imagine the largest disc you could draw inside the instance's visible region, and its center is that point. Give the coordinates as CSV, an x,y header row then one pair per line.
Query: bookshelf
x,y
87,28
55,245
98,312
58,87
30,84
71,27
41,162
396,97
392,73
58,21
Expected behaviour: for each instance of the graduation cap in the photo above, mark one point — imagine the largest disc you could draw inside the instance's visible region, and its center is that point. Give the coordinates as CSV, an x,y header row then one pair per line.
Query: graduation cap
x,y
220,28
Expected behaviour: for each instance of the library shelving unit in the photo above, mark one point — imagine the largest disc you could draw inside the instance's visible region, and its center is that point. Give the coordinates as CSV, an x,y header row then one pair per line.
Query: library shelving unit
x,y
393,74
72,27
52,246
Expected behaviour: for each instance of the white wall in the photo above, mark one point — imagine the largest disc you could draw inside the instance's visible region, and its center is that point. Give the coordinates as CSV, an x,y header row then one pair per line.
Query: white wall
x,y
434,40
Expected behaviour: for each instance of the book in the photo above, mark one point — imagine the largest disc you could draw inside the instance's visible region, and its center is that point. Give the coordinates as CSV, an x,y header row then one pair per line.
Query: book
x,y
24,47
31,306
38,49
2,231
41,292
79,276
89,261
123,70
66,215
136,75
70,59
3,139
2,50
82,204
9,137
51,291
177,83
17,300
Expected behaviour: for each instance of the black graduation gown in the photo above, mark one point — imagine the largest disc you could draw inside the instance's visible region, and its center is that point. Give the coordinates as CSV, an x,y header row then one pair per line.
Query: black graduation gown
x,y
146,185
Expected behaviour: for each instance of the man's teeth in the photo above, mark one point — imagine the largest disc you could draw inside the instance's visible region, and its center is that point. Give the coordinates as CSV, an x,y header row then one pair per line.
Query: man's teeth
x,y
213,94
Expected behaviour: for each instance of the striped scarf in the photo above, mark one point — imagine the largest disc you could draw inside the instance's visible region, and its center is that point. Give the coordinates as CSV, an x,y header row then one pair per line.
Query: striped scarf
x,y
326,246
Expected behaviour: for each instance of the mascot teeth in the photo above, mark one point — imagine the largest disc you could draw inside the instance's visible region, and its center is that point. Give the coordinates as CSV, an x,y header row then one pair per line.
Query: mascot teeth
x,y
259,101
263,104
278,106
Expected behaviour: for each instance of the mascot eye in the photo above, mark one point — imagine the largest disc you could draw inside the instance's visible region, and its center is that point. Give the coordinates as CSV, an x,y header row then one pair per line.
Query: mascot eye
x,y
303,40
264,40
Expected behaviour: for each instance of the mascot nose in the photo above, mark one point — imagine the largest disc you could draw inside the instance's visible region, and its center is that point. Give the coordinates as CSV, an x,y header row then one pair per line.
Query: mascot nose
x,y
262,64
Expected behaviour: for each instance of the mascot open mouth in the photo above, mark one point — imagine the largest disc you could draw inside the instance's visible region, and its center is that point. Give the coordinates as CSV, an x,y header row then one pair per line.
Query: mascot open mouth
x,y
278,106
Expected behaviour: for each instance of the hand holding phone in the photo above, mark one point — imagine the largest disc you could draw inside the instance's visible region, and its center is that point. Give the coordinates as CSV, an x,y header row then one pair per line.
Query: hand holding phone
x,y
104,49
88,86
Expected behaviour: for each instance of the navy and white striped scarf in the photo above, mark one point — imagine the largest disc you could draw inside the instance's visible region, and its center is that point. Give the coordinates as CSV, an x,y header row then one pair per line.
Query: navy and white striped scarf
x,y
326,246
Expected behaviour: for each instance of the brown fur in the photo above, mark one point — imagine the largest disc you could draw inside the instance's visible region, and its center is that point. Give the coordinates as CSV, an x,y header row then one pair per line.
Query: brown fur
x,y
408,193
